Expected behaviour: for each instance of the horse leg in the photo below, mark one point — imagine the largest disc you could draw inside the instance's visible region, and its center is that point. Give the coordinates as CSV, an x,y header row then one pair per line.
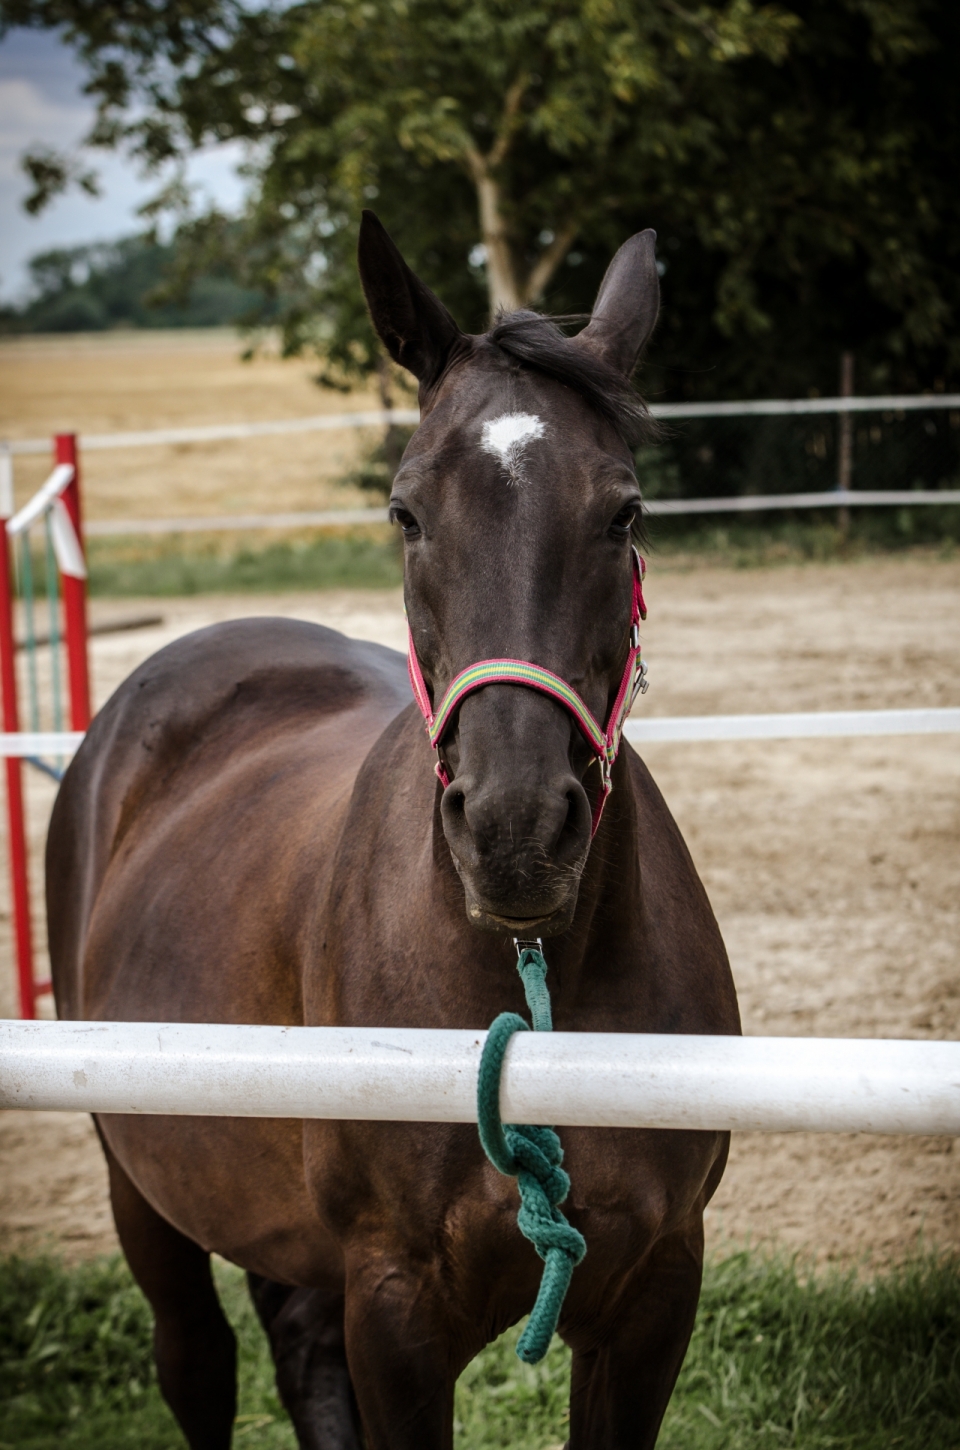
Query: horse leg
x,y
306,1334
621,1381
405,1352
193,1344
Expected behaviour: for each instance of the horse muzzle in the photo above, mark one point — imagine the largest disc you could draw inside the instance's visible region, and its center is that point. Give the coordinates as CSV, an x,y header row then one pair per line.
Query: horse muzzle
x,y
519,851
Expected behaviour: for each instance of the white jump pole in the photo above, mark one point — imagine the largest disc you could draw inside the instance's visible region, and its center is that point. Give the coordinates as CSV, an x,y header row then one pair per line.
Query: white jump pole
x,y
809,725
785,1084
812,725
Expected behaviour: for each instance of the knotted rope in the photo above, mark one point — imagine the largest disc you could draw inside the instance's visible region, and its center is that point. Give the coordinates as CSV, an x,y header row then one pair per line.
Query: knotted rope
x,y
533,1156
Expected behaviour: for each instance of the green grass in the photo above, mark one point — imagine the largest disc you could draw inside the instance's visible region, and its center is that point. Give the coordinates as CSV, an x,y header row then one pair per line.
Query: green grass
x,y
370,557
76,1364
208,564
764,539
777,1359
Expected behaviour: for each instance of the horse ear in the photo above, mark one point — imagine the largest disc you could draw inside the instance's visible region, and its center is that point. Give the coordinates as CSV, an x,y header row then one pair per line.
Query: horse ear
x,y
627,304
413,324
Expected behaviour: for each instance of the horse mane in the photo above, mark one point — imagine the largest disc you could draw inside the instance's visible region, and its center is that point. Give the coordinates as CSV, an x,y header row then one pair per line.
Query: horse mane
x,y
537,341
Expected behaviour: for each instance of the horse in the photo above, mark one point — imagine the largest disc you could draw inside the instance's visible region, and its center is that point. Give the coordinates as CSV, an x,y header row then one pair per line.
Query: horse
x,y
253,831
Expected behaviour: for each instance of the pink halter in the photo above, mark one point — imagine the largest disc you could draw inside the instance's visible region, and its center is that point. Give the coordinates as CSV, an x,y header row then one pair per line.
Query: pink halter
x,y
604,741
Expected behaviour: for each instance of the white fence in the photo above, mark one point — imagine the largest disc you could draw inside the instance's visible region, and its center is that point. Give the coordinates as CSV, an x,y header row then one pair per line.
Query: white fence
x,y
812,725
380,417
572,1079
331,422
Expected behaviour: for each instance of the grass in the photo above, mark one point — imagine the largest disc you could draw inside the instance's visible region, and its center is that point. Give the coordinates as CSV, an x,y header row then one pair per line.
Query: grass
x,y
76,1364
778,1359
206,564
765,539
370,557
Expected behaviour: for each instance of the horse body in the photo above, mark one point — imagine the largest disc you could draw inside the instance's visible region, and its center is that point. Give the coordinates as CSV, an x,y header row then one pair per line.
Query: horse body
x,y
252,832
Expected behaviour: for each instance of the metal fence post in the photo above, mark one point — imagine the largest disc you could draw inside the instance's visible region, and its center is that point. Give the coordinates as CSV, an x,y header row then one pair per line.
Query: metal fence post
x,y
845,439
19,881
75,593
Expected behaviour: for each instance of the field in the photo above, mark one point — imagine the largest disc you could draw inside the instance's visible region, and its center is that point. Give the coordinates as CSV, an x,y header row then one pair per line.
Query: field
x,y
122,381
832,867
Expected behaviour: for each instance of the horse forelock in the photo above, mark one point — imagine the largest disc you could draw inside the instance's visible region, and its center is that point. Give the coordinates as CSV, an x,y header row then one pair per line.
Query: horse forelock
x,y
535,341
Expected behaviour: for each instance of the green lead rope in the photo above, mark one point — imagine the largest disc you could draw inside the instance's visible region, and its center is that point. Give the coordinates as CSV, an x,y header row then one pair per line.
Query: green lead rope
x,y
533,1156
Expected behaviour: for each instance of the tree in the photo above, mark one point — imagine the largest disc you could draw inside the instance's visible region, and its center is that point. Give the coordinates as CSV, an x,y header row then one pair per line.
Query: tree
x,y
538,108
111,284
796,158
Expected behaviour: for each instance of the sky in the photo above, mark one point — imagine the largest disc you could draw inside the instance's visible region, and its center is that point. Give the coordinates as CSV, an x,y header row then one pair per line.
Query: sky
x,y
41,101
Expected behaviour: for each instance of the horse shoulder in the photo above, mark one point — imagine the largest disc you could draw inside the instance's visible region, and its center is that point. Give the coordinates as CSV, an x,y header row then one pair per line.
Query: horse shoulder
x,y
195,772
682,944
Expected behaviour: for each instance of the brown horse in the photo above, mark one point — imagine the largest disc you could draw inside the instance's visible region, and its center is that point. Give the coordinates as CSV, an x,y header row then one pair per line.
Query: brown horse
x,y
253,831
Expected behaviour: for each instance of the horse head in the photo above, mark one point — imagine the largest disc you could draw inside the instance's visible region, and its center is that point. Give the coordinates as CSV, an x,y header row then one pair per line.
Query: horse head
x,y
517,498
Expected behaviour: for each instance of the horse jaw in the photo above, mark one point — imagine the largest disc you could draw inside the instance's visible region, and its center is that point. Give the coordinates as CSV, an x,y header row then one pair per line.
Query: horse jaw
x,y
524,926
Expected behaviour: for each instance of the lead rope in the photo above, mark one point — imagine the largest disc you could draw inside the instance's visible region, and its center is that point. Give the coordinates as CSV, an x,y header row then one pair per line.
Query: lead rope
x,y
533,1156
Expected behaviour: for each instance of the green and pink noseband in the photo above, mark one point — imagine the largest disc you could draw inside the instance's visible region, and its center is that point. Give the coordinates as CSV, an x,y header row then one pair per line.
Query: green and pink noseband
x,y
604,741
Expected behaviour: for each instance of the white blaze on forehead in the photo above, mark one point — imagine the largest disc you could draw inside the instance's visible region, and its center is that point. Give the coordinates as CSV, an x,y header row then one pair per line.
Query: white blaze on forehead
x,y
506,436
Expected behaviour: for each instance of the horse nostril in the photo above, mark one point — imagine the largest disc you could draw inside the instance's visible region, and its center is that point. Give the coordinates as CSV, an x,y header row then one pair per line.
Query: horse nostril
x,y
576,821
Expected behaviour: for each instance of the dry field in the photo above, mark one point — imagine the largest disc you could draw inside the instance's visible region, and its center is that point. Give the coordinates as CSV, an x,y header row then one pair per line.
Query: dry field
x,y
832,865
123,381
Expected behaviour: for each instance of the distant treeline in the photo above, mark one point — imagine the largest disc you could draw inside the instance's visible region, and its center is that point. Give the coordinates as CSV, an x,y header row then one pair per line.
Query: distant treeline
x,y
125,283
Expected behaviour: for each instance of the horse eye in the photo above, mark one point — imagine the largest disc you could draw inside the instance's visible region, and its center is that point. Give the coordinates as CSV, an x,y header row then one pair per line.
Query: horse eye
x,y
405,519
623,521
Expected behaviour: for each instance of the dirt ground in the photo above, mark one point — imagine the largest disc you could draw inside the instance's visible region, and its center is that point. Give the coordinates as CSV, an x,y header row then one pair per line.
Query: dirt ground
x,y
832,866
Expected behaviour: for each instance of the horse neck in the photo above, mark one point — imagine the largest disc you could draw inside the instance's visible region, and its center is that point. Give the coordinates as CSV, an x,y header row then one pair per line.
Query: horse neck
x,y
602,939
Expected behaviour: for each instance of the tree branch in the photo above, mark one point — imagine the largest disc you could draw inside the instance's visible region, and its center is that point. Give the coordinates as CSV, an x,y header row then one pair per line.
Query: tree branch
x,y
508,121
548,262
703,26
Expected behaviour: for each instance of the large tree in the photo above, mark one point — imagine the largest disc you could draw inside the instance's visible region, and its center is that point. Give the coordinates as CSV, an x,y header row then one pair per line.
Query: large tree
x,y
795,157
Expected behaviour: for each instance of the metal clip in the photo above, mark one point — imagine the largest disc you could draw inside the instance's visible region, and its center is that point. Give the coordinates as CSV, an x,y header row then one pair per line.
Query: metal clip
x,y
640,682
526,945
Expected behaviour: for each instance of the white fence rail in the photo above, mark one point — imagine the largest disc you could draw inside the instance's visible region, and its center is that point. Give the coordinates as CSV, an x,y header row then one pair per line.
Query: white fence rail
x,y
329,422
588,1079
809,726
224,432
748,503
379,417
656,508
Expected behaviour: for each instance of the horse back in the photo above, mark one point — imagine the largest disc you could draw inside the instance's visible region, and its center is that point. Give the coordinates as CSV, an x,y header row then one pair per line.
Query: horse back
x,y
237,727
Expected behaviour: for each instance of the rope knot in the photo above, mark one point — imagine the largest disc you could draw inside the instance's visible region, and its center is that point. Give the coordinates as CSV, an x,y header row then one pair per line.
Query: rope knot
x,y
533,1156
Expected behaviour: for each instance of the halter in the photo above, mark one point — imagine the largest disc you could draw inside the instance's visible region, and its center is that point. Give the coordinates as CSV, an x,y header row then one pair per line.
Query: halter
x,y
604,741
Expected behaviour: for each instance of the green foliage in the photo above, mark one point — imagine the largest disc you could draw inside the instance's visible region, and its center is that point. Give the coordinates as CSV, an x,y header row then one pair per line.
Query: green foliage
x,y
197,564
777,1358
126,283
720,457
797,160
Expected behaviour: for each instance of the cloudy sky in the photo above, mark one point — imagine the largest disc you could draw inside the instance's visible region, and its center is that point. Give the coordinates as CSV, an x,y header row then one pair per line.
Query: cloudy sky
x,y
41,101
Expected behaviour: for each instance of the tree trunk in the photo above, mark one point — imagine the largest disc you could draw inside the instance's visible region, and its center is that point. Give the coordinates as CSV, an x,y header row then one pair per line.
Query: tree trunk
x,y
505,287
502,282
